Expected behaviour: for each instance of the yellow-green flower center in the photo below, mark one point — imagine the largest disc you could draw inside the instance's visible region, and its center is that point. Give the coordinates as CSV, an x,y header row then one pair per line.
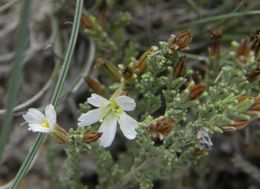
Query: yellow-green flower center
x,y
115,108
45,123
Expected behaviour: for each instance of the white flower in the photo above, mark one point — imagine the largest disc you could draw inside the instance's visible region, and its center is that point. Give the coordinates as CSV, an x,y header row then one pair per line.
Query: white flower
x,y
38,122
109,113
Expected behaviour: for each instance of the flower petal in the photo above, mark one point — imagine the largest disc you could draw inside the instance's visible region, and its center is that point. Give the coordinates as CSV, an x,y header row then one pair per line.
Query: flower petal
x,y
126,103
128,125
92,116
34,116
108,130
51,115
98,101
39,128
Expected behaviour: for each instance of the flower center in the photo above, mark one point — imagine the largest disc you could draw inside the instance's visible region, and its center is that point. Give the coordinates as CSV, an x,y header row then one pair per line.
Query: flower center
x,y
115,108
45,123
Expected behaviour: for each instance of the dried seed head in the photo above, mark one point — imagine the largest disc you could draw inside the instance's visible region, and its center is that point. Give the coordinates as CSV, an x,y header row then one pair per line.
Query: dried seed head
x,y
181,41
93,85
196,91
216,37
179,69
161,126
91,136
243,50
238,124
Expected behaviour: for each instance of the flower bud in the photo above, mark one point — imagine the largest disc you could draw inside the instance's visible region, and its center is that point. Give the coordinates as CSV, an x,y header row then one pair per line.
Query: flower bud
x,y
181,41
91,136
196,91
93,85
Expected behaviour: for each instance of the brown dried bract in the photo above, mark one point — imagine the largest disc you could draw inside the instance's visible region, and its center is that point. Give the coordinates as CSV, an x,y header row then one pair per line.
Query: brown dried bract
x,y
196,91
179,69
181,41
91,136
238,124
161,126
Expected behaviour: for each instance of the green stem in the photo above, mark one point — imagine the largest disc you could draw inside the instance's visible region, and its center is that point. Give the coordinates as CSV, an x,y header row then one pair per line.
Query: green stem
x,y
56,95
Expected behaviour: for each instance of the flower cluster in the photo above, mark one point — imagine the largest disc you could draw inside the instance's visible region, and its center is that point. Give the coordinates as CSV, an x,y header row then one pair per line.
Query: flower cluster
x,y
108,112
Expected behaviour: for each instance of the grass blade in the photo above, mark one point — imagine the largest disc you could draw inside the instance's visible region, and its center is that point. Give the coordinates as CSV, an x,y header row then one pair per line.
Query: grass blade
x,y
56,95
22,39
